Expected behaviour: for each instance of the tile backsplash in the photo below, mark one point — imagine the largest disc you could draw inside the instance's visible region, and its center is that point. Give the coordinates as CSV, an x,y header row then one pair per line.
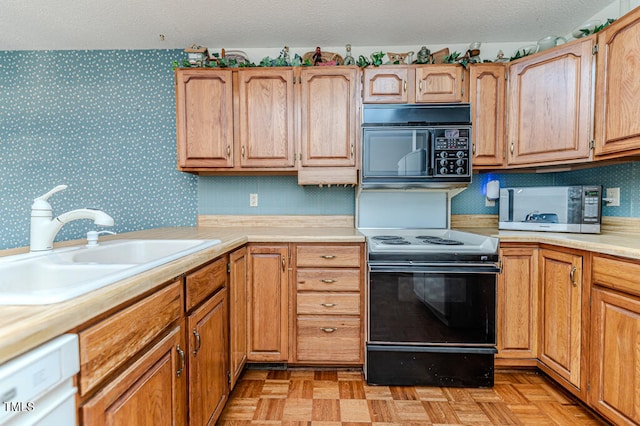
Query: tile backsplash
x,y
103,122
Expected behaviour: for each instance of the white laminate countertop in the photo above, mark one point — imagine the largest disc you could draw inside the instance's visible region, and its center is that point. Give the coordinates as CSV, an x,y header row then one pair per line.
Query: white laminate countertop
x,y
25,327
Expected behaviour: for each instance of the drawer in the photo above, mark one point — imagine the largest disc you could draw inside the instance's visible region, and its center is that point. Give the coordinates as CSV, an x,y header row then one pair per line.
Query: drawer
x,y
107,345
328,256
205,281
617,274
328,304
328,279
329,340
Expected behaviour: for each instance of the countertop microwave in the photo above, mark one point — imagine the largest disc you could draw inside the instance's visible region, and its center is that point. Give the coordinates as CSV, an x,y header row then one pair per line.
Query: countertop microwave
x,y
552,208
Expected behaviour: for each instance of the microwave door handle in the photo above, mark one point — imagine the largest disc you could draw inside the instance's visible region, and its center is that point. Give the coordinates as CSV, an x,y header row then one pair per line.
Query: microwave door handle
x,y
510,191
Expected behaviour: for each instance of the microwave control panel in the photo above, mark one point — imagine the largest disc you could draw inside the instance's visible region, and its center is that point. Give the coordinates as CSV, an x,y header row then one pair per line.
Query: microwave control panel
x,y
452,152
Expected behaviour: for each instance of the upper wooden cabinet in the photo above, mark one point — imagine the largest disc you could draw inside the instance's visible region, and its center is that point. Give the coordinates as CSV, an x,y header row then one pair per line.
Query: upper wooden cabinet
x,y
399,84
549,111
282,119
617,128
204,118
266,117
329,123
487,86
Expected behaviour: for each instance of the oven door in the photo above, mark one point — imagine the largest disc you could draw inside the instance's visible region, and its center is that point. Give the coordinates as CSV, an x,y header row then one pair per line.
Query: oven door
x,y
437,305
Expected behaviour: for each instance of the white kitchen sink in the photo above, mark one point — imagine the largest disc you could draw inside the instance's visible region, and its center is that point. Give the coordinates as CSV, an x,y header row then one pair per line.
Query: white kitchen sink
x,y
62,274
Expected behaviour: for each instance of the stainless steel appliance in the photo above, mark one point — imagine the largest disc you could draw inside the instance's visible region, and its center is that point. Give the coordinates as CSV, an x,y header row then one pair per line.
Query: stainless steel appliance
x,y
416,146
552,208
431,292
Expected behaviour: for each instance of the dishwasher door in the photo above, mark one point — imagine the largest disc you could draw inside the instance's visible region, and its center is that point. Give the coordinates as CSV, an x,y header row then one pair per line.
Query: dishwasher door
x,y
37,388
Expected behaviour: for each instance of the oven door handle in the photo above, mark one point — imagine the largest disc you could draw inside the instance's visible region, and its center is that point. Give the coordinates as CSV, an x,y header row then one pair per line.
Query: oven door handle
x,y
436,268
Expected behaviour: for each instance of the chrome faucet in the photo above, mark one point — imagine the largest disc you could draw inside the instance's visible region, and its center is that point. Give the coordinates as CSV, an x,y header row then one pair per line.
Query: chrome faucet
x,y
44,229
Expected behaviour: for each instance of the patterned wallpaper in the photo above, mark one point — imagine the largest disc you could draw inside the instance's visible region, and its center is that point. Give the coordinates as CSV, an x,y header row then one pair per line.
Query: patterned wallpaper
x,y
103,122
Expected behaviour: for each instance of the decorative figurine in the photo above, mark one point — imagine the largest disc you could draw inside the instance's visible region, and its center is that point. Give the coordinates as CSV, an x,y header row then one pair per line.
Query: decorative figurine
x,y
317,57
423,56
284,55
198,56
348,59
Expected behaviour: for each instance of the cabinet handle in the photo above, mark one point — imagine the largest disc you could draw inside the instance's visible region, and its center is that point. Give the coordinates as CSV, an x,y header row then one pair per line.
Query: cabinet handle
x,y
242,151
228,151
351,150
328,329
283,264
328,305
181,353
328,256
473,149
405,85
420,85
572,276
511,148
328,281
198,342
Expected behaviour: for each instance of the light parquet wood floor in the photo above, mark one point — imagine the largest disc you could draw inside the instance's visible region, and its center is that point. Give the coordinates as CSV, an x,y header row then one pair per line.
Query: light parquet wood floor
x,y
297,397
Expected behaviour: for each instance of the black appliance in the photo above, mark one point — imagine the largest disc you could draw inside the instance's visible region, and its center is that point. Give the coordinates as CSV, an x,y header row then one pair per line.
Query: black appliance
x,y
431,308
416,146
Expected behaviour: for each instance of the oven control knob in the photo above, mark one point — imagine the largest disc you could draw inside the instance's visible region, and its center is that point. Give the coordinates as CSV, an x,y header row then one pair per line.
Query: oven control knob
x,y
443,162
460,162
443,154
460,154
460,171
443,170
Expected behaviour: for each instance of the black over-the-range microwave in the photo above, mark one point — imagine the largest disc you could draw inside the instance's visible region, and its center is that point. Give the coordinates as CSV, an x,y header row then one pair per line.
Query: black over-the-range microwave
x,y
413,146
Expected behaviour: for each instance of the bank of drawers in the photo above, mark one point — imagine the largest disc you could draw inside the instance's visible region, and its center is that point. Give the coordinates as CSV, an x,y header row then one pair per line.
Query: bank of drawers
x,y
329,304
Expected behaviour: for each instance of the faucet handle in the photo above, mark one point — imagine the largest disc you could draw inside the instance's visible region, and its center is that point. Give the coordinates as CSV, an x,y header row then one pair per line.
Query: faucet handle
x,y
41,202
46,196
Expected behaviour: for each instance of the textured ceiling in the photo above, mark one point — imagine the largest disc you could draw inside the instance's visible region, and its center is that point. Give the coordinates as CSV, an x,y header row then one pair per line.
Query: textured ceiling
x,y
139,24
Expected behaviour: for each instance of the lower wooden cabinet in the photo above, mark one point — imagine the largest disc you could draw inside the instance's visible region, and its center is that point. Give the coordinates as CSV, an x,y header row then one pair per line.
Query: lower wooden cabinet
x,y
237,314
208,355
517,306
615,340
267,301
328,300
150,392
561,311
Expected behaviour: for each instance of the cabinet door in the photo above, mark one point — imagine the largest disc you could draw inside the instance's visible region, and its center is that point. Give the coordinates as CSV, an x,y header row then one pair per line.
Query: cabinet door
x,y
329,116
152,391
615,358
517,302
487,86
617,128
386,85
440,83
237,314
208,355
266,122
204,118
561,314
268,325
549,106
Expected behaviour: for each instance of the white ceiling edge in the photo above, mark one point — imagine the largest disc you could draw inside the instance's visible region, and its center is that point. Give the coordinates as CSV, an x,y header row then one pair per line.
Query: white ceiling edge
x,y
69,25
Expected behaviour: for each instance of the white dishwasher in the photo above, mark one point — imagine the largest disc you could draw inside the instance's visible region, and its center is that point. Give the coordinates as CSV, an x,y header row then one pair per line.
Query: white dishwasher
x,y
36,388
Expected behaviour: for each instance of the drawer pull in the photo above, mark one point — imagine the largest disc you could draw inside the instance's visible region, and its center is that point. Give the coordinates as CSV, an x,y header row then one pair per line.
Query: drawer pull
x,y
328,256
328,281
572,276
328,329
198,343
181,353
328,305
